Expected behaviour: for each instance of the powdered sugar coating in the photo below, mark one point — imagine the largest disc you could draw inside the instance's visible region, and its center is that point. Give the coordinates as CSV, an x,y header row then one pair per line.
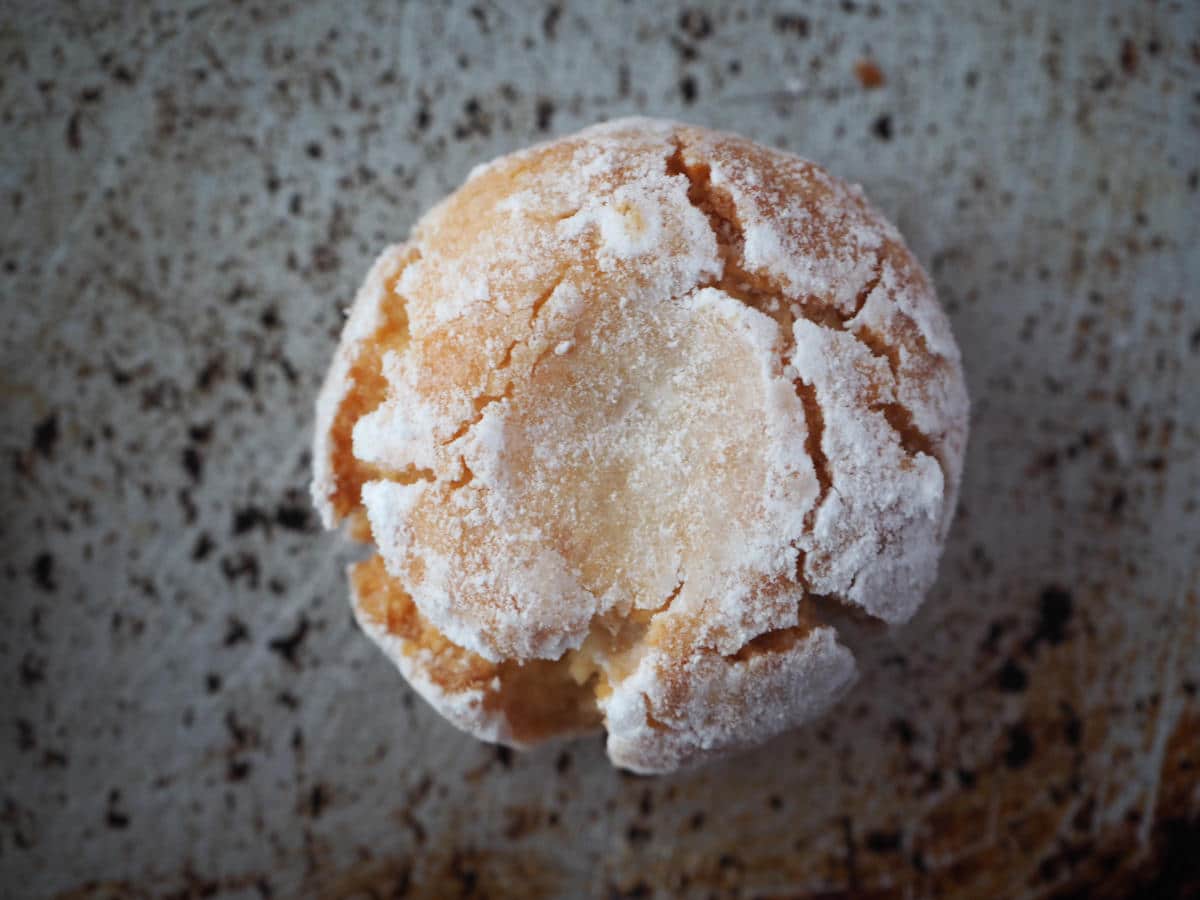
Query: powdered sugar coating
x,y
465,709
658,395
875,540
666,714
363,321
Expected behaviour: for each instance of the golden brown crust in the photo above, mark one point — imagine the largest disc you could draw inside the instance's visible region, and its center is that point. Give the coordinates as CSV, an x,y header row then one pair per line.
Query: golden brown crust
x,y
522,703
625,402
356,385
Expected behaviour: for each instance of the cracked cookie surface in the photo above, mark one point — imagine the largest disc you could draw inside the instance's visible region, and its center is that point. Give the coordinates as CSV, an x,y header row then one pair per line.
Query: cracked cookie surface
x,y
632,418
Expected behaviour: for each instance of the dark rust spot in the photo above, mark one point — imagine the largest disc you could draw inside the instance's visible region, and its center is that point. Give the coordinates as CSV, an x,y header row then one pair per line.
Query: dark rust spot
x,y
695,23
203,547
882,841
869,75
1055,614
45,435
687,89
288,645
1012,678
236,632
318,798
1020,746
1129,57
295,516
43,572
193,463
33,670
791,24
545,114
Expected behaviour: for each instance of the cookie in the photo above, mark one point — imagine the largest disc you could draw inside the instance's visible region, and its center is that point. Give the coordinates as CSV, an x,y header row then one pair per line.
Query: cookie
x,y
632,419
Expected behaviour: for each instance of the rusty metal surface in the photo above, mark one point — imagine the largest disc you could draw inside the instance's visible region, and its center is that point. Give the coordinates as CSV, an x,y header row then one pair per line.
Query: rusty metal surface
x,y
191,192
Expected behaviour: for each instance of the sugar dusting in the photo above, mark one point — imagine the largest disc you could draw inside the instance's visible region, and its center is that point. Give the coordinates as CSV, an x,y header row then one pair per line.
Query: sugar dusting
x,y
363,319
590,450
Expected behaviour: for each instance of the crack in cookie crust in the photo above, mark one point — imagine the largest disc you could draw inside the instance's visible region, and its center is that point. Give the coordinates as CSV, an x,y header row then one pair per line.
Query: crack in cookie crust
x,y
764,291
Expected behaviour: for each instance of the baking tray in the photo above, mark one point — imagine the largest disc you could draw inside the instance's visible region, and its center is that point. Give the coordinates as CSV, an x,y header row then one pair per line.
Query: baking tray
x,y
191,194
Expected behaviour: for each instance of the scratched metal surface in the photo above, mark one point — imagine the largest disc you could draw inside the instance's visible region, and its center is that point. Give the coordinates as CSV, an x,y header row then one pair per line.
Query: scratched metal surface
x,y
191,192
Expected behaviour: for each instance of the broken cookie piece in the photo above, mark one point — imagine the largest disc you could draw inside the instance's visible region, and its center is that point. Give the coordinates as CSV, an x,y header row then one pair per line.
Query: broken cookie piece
x,y
632,419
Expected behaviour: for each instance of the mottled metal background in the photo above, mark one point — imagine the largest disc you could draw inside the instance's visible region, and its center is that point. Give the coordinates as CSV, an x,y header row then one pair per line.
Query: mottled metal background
x,y
191,192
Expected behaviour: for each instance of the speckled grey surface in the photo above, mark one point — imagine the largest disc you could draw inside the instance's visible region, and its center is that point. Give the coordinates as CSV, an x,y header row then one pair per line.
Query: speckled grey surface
x,y
190,194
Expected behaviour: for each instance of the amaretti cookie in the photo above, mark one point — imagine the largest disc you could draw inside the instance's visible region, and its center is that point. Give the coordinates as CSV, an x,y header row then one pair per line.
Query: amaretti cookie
x,y
630,419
